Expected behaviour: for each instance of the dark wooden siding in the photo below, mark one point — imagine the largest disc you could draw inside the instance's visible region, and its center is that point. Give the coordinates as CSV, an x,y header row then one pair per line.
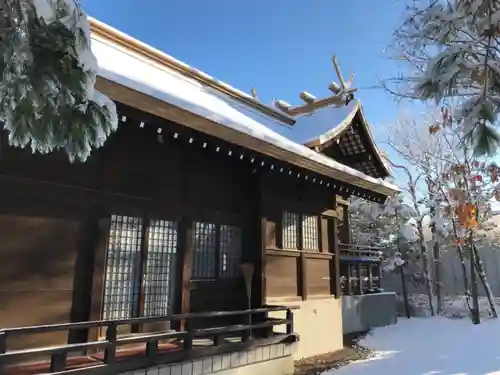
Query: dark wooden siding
x,y
134,174
37,262
51,208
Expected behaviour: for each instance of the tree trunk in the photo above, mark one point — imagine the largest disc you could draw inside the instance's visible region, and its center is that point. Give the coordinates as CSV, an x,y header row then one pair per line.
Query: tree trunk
x,y
405,291
484,280
436,256
421,240
465,278
427,273
473,281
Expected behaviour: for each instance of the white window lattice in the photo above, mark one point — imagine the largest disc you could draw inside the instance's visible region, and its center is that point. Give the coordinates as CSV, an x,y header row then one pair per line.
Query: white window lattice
x,y
310,232
290,230
123,268
122,279
159,279
293,224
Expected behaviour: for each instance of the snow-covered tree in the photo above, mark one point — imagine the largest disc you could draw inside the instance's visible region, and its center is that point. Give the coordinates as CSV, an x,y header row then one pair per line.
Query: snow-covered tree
x,y
397,227
458,189
48,73
468,186
376,224
453,51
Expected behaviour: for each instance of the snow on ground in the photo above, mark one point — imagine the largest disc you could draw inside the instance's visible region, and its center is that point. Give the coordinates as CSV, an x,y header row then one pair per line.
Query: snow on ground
x,y
431,346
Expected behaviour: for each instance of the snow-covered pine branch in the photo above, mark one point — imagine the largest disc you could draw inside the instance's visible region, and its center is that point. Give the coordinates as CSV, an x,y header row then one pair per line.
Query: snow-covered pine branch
x,y
47,95
453,53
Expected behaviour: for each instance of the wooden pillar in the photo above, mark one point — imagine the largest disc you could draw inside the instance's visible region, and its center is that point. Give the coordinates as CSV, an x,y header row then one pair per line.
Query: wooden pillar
x,y
303,275
257,240
184,265
346,226
335,262
324,235
142,270
261,267
107,171
343,204
185,260
87,244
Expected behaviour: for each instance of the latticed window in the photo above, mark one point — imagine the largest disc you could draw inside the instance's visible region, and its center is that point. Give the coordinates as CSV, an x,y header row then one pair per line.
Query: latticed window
x,y
310,232
130,266
230,251
217,251
205,251
159,279
122,280
290,228
296,227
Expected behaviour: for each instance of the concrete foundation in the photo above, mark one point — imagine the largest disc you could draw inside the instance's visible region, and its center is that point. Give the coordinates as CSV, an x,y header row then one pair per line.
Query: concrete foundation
x,y
364,312
274,359
319,325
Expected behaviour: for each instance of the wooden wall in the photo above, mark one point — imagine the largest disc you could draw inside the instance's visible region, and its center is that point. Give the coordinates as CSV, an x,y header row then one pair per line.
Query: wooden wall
x,y
42,231
54,220
299,274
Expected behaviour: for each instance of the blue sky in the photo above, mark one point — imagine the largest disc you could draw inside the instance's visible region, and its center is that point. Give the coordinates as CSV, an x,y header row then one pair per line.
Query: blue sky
x,y
280,47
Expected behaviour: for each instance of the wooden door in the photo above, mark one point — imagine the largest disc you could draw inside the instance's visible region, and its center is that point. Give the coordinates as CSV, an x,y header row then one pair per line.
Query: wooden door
x,y
216,280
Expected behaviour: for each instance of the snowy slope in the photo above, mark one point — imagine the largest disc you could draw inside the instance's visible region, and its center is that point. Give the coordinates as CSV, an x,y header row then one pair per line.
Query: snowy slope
x,y
431,346
134,71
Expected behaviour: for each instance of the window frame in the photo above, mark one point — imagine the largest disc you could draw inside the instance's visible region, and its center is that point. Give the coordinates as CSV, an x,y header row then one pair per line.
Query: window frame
x,y
139,273
299,231
217,253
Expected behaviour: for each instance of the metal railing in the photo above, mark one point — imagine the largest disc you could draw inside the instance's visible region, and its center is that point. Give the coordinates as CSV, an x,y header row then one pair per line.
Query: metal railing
x,y
59,354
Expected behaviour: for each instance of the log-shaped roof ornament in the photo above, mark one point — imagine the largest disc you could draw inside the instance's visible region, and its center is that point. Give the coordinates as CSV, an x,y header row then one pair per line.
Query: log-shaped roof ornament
x,y
342,95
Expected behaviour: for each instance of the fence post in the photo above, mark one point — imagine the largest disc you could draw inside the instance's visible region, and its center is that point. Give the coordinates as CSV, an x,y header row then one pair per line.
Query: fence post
x,y
58,361
187,343
110,351
152,348
3,342
3,349
289,324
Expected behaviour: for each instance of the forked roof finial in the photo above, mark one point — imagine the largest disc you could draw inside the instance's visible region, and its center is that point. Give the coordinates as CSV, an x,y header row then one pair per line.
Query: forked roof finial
x,y
342,95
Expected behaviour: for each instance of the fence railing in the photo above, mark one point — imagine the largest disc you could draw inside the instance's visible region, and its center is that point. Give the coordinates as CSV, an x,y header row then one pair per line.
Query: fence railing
x,y
112,341
360,269
360,251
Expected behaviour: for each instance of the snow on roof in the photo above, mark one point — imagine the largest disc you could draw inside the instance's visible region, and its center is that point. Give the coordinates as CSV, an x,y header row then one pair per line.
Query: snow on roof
x,y
319,124
123,66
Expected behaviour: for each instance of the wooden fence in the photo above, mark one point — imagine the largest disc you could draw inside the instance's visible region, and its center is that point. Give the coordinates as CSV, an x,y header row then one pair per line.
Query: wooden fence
x,y
108,359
